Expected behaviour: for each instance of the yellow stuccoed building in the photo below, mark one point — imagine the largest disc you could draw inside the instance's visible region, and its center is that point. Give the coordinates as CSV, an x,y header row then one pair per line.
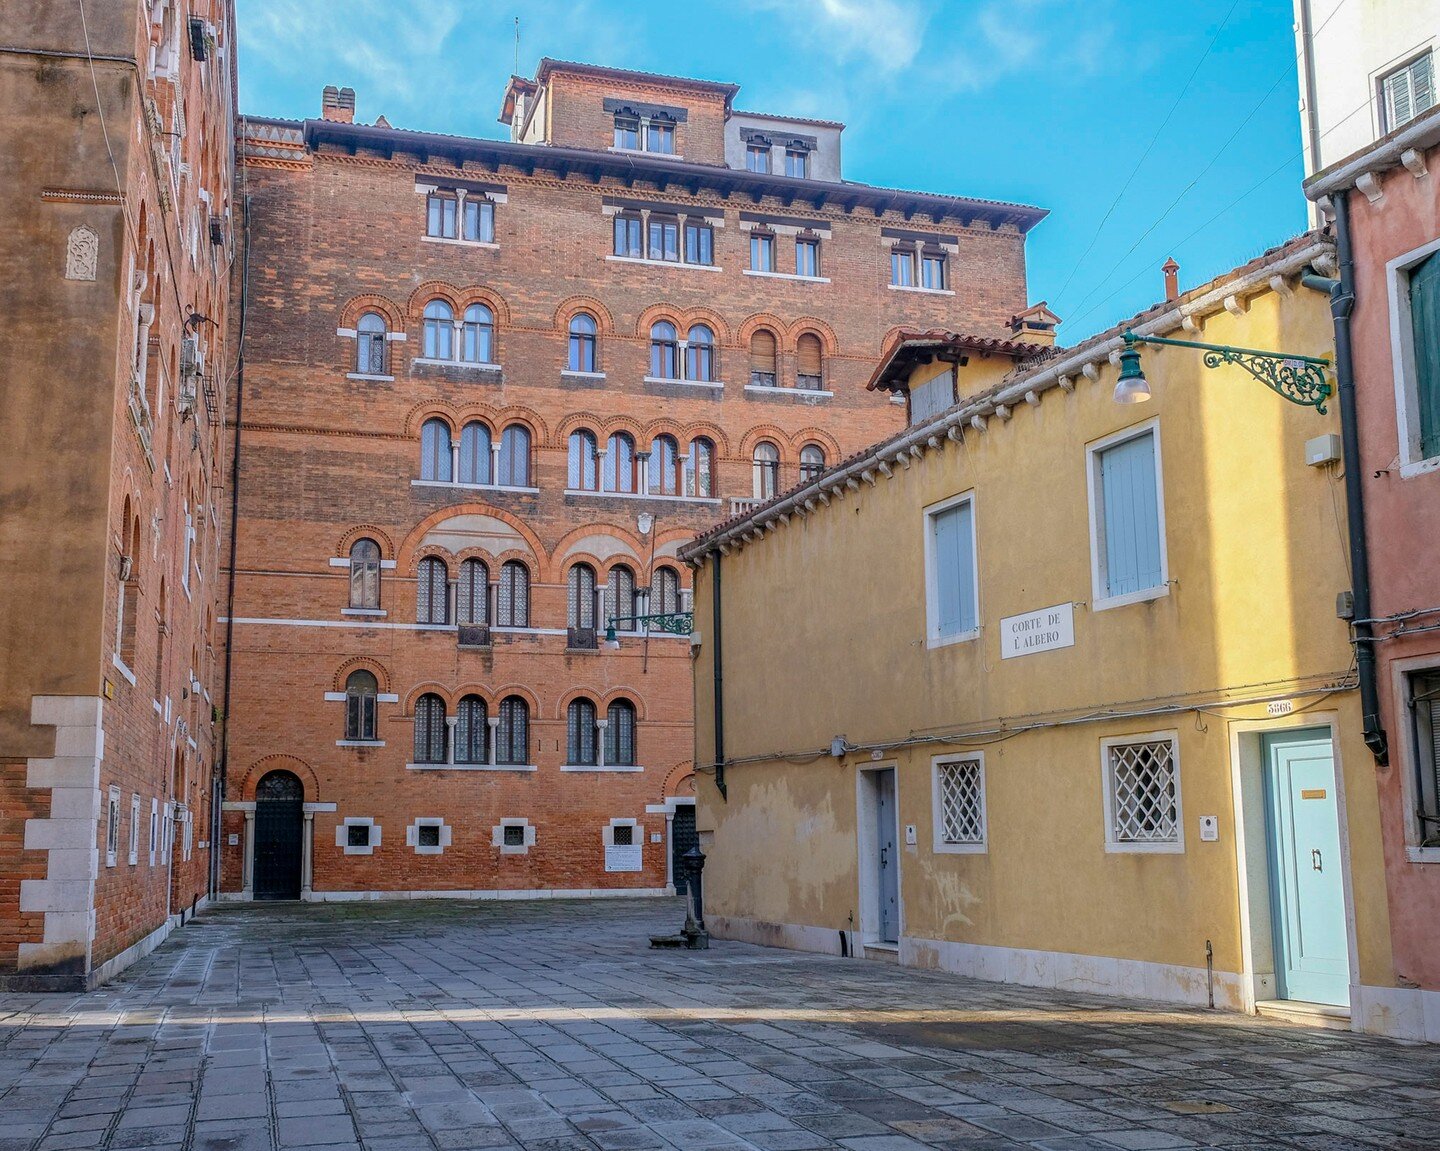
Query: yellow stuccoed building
x,y
1051,689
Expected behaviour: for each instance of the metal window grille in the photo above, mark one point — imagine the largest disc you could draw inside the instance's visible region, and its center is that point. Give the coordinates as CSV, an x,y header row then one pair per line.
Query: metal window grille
x,y
584,473
512,739
515,457
619,469
472,599
427,835
1144,793
431,598
620,595
474,454
1425,730
620,735
582,729
471,731
582,596
370,353
513,835
435,451
664,591
699,469
429,729
962,801
622,835
514,595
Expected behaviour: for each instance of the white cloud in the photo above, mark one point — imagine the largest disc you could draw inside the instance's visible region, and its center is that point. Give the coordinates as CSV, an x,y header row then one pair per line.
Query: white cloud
x,y
886,33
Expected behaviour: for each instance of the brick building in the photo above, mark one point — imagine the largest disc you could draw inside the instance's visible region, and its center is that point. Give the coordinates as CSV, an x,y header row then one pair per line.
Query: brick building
x,y
119,152
488,388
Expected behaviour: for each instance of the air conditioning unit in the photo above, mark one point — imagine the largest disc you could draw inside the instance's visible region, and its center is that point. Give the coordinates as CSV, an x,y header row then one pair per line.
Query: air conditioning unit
x,y
217,230
582,639
474,635
199,39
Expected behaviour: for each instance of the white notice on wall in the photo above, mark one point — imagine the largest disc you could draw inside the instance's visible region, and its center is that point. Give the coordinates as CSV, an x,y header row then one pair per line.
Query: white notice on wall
x,y
622,858
1042,630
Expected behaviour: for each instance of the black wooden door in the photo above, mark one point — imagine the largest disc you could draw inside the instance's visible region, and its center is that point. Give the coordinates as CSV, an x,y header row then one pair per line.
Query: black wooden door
x,y
682,838
279,828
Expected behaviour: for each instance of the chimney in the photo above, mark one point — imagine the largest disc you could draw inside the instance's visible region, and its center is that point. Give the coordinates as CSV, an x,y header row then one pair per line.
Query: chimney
x,y
338,104
1172,279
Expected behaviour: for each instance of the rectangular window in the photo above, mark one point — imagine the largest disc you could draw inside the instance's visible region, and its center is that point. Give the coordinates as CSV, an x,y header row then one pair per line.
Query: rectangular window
x,y
1142,793
627,133
427,835
660,138
757,158
134,853
622,835
807,257
932,397
797,162
1415,290
1127,536
440,217
762,252
1425,732
699,244
950,571
513,835
480,221
627,237
664,240
959,804
154,828
357,835
932,272
1408,91
112,827
902,268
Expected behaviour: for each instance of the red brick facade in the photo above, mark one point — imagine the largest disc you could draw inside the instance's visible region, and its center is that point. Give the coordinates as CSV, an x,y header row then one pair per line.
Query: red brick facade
x,y
330,456
115,373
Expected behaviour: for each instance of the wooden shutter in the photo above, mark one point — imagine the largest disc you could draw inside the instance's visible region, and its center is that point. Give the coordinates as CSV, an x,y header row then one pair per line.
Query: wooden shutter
x,y
1130,503
762,352
807,355
1425,324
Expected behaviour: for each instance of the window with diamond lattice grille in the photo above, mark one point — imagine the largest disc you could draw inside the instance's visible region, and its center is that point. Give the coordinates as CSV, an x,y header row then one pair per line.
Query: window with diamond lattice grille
x,y
1144,793
960,786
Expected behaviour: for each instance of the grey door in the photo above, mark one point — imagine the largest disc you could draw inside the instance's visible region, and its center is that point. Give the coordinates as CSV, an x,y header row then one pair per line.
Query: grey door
x,y
886,835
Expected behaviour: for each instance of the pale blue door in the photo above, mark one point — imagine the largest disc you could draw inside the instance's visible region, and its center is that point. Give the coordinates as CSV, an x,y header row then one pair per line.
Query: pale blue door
x,y
886,836
1312,961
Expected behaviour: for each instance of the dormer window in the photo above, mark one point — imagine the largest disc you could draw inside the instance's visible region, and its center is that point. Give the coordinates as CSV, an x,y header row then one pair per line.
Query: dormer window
x,y
627,133
644,127
757,156
797,163
660,137
460,215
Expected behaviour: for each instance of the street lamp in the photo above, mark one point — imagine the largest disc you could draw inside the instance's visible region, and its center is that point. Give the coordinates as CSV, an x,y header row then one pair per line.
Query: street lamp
x,y
669,622
1299,379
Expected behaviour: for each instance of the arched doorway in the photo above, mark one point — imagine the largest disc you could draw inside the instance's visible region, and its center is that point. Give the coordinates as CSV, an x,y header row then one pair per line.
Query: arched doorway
x,y
279,836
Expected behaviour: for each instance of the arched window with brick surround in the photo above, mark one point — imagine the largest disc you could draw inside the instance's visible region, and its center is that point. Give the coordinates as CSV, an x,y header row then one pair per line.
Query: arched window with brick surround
x,y
362,692
370,345
439,331
365,574
435,451
429,729
583,342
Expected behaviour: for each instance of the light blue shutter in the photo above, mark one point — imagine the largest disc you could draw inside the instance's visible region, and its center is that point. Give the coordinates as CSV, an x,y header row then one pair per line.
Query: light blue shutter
x,y
1131,516
954,545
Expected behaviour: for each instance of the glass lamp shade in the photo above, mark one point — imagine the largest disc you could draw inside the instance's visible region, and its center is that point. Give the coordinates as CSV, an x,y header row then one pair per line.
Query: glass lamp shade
x,y
1131,387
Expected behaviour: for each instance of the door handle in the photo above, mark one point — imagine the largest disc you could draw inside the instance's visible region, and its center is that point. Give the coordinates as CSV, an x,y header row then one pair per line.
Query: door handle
x,y
1315,859
883,861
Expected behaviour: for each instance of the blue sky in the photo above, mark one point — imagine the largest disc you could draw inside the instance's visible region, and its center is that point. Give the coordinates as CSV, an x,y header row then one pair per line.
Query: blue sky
x,y
1148,129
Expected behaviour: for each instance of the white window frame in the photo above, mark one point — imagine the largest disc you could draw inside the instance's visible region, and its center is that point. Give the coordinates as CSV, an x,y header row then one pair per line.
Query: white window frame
x,y
1115,846
154,828
1382,91
342,835
942,846
133,854
497,836
1098,575
1402,356
412,835
112,826
1401,672
932,588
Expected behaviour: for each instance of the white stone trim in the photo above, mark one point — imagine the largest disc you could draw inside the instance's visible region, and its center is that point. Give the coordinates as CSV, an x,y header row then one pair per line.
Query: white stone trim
x,y
922,291
342,835
791,276
1402,358
573,374
370,612
491,244
522,767
497,836
412,835
605,768
471,487
371,377
682,382
664,263
797,393
360,742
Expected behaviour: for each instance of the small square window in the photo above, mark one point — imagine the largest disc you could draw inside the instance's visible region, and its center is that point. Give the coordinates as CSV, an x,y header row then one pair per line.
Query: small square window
x,y
622,835
513,835
427,835
357,835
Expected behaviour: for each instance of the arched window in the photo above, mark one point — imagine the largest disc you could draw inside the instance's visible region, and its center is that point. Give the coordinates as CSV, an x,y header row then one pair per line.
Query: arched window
x,y
429,729
365,574
809,362
513,598
584,474
439,331
361,692
370,349
767,470
665,466
620,734
128,606
762,359
472,731
581,750
812,462
477,343
582,342
619,468
435,451
514,457
581,581
512,737
620,597
700,354
475,453
700,469
472,593
664,351
431,592
664,591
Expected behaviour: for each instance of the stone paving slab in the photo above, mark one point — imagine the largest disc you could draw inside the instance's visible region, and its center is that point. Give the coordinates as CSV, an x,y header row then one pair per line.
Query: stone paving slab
x,y
551,1026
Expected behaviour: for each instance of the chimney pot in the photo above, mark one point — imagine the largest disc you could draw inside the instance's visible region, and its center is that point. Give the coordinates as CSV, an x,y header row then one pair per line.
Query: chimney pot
x,y
1172,279
338,104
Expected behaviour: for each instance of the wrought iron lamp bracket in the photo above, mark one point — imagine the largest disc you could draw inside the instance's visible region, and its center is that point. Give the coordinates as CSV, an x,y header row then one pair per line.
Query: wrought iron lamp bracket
x,y
671,623
1299,379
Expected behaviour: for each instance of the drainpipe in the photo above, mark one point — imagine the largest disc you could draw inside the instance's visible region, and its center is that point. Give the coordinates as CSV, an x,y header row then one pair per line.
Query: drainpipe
x,y
719,680
1342,304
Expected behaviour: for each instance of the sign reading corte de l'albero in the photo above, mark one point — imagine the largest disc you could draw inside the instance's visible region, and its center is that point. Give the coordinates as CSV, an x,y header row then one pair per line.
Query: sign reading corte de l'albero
x,y
1042,630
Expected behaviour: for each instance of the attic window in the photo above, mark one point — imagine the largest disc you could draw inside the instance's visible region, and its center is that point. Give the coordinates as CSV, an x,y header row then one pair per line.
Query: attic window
x,y
627,133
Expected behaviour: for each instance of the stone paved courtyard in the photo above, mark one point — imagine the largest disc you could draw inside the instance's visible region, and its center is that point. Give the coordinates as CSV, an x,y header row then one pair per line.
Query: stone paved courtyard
x,y
552,1027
